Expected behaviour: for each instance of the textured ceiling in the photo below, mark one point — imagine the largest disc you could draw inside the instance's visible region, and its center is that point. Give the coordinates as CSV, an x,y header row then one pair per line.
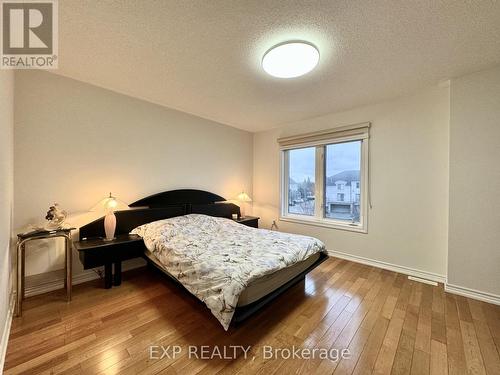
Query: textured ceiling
x,y
203,57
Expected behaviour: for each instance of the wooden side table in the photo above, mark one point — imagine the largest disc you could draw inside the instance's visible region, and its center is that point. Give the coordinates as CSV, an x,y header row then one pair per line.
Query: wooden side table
x,y
22,239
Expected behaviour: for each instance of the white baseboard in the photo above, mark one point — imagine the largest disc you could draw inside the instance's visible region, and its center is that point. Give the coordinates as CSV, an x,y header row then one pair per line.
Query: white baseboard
x,y
6,331
390,266
472,293
424,281
450,288
52,283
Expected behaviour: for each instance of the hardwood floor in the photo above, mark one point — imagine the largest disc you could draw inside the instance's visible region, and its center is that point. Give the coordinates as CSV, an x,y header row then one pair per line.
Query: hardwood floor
x,y
390,325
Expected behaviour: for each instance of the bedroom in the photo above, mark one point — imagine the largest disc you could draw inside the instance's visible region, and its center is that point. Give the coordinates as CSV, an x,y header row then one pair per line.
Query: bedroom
x,y
159,121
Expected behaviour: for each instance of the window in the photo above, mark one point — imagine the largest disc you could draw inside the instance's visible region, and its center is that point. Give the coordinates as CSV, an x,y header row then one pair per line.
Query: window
x,y
301,186
342,162
325,178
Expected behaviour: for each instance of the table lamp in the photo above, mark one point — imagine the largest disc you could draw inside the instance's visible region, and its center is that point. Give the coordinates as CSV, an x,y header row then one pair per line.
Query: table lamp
x,y
109,205
243,198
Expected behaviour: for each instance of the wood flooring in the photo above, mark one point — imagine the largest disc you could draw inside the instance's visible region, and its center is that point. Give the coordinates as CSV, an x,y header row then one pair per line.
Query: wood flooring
x,y
389,324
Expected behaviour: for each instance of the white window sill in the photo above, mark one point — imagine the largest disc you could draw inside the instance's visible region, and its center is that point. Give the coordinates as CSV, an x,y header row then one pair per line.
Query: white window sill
x,y
324,224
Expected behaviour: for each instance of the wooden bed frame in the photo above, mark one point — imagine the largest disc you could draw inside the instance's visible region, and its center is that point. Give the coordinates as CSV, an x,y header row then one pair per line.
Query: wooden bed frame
x,y
182,202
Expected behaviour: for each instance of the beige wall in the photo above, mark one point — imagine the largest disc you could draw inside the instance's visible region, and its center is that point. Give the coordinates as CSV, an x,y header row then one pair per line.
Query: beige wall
x,y
408,224
76,142
6,193
474,233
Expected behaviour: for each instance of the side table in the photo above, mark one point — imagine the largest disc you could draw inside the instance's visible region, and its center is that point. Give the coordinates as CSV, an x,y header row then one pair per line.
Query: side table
x,y
22,239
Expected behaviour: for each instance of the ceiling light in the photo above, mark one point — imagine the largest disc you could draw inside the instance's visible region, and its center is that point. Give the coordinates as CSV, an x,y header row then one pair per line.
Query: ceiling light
x,y
290,59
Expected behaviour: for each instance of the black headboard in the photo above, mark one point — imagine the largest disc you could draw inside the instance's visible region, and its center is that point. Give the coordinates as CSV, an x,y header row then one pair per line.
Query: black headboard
x,y
182,196
163,206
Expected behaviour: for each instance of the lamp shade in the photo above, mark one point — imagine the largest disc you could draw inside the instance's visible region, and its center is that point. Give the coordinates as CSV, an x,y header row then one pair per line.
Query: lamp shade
x,y
243,197
109,203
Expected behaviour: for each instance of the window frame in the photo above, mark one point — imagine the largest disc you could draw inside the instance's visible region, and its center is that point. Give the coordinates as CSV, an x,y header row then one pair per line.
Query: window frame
x,y
319,218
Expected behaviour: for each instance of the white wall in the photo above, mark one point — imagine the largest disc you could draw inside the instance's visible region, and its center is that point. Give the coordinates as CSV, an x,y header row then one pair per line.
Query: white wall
x,y
75,142
408,224
474,233
6,195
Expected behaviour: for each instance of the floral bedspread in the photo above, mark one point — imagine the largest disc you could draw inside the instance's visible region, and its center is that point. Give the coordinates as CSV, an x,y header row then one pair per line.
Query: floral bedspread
x,y
216,258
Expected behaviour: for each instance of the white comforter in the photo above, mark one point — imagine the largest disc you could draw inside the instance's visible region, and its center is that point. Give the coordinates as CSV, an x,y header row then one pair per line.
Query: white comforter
x,y
216,258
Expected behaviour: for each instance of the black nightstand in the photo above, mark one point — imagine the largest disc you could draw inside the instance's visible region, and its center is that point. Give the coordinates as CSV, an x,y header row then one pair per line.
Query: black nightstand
x,y
96,252
250,221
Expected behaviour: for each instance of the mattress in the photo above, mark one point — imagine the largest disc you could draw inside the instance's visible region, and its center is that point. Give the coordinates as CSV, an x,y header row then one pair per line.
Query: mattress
x,y
216,259
262,286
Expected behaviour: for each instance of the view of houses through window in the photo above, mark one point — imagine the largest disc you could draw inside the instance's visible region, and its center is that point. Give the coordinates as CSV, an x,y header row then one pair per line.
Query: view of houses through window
x,y
342,181
301,181
342,190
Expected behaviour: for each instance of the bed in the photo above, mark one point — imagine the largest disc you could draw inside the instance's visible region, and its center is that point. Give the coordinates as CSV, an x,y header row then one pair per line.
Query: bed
x,y
234,269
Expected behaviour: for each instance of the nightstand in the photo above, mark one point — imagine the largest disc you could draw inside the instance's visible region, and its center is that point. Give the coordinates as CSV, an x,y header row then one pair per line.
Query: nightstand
x,y
250,221
96,252
22,239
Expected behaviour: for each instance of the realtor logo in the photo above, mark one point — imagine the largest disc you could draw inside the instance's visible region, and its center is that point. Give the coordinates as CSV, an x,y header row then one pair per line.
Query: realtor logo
x,y
29,34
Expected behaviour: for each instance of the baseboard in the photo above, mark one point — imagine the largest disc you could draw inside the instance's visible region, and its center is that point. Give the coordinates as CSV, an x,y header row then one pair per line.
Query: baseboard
x,y
472,293
6,331
51,283
450,288
389,266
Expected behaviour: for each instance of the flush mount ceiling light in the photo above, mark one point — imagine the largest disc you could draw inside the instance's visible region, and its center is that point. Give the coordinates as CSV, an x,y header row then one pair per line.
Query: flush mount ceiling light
x,y
290,59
